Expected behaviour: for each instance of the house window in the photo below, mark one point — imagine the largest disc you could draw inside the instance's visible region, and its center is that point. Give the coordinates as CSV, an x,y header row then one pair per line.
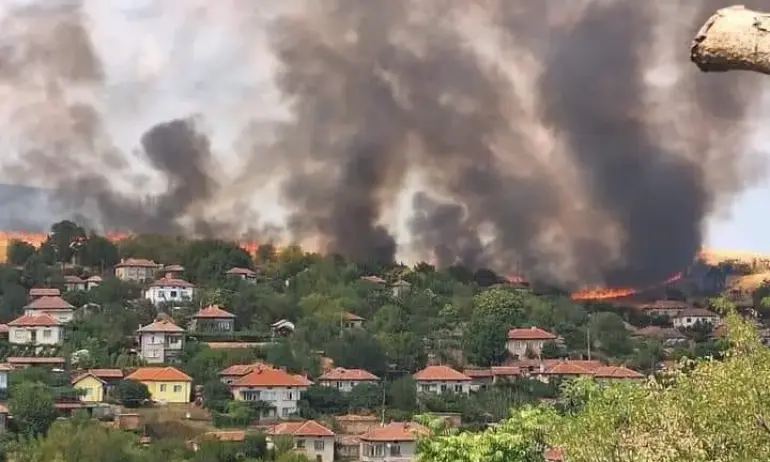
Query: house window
x,y
285,411
173,294
458,388
425,388
318,445
443,387
47,333
395,450
250,395
19,335
300,443
177,388
374,450
163,387
289,396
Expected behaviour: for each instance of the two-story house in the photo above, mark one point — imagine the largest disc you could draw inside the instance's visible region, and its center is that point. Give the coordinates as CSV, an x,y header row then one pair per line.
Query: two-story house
x,y
166,384
243,273
166,290
522,342
136,270
278,388
55,307
442,379
310,438
213,319
345,379
694,316
160,342
394,442
73,283
35,329
235,372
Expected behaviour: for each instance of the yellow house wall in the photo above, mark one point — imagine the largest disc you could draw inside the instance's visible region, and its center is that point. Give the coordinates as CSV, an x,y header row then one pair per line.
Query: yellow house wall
x,y
96,388
167,394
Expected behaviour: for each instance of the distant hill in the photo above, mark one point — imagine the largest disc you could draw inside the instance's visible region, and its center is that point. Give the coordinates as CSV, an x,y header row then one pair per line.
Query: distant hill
x,y
26,208
716,256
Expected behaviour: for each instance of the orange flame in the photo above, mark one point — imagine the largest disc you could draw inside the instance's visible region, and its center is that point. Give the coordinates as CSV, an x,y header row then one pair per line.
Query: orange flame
x,y
608,294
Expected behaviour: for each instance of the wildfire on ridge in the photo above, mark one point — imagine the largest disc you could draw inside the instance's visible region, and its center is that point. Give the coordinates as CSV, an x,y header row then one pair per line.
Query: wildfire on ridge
x,y
608,294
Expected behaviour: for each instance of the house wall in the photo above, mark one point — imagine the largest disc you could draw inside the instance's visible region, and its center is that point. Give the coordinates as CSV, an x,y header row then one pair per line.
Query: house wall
x,y
283,399
214,325
402,451
159,347
518,348
158,295
314,447
94,389
132,273
43,335
169,392
75,286
60,315
343,385
685,322
3,380
444,387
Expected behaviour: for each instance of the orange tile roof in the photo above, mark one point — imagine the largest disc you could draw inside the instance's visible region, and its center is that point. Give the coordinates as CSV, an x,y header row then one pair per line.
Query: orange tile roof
x,y
34,320
107,373
241,272
227,435
167,282
353,317
396,431
49,303
373,279
309,428
161,325
352,375
3,328
532,333
504,371
616,372
268,377
159,374
553,455
44,292
213,311
137,263
73,280
440,373
239,370
478,373
567,368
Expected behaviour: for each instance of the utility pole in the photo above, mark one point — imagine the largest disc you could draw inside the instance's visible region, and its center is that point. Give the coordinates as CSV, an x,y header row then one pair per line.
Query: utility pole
x,y
588,342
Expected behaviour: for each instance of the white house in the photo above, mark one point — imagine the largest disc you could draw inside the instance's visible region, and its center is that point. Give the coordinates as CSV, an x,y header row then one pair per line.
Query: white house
x,y
136,270
352,320
243,273
692,316
73,283
531,339
160,342
93,281
169,290
56,307
396,441
274,386
4,370
310,438
442,379
35,329
345,379
213,319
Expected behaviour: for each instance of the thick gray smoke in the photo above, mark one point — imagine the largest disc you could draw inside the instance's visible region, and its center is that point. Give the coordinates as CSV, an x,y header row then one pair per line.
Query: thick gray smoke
x,y
568,140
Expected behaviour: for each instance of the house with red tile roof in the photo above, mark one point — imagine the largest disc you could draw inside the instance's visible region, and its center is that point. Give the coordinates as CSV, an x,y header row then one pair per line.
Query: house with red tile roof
x,y
21,362
160,342
54,306
442,379
394,441
37,292
309,437
213,319
692,317
136,270
35,329
236,371
244,274
166,384
173,271
610,373
352,320
73,283
93,282
345,379
168,290
483,378
280,389
528,340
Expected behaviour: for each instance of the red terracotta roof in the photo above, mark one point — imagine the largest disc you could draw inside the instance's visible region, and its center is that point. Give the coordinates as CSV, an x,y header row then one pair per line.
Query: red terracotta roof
x,y
567,368
239,370
137,263
616,372
159,374
107,373
20,360
34,320
49,303
73,280
227,435
166,282
213,311
478,373
396,431
268,377
309,428
353,317
373,279
505,371
440,373
44,292
94,279
5,367
161,325
553,455
352,375
531,333
242,272
3,328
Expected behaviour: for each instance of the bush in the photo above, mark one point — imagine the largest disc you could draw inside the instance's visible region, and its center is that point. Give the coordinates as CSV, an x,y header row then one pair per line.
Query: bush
x,y
131,393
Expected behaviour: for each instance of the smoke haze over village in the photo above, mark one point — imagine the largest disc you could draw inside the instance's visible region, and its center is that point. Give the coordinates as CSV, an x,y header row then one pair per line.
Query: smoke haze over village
x,y
570,140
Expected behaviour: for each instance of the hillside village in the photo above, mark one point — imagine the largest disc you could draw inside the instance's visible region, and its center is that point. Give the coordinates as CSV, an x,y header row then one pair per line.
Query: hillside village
x,y
201,343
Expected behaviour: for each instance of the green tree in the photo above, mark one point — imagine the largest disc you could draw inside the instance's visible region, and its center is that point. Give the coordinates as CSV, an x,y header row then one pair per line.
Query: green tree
x,y
67,239
131,393
99,252
216,394
365,396
358,349
495,311
402,394
19,252
323,400
32,407
255,445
